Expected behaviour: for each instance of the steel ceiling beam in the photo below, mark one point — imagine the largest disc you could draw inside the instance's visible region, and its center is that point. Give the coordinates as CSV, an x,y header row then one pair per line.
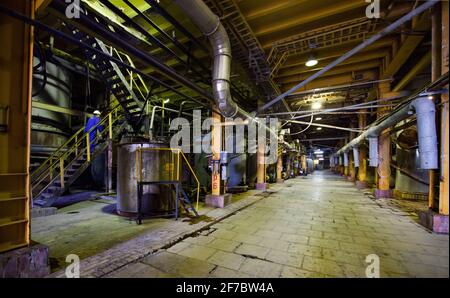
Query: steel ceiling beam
x,y
355,50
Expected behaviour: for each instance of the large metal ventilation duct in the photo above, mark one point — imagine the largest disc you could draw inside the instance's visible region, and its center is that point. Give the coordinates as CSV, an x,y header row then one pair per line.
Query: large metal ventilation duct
x,y
210,25
426,130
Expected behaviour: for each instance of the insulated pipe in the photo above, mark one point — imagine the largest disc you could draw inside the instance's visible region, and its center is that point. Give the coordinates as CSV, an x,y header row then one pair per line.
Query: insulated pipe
x,y
355,50
374,130
426,132
356,156
373,151
210,25
345,159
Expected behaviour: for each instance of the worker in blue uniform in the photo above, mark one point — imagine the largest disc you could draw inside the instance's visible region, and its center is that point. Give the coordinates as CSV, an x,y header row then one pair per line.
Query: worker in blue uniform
x,y
93,122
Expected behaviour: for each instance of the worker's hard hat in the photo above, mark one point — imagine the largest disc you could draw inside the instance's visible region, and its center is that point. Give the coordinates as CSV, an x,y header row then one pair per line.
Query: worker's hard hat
x,y
97,112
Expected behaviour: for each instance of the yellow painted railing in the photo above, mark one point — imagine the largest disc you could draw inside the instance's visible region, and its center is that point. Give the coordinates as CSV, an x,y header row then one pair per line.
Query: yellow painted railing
x,y
173,171
72,149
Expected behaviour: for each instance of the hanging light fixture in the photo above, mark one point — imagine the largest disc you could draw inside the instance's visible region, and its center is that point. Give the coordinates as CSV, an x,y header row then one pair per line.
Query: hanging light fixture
x,y
316,105
312,61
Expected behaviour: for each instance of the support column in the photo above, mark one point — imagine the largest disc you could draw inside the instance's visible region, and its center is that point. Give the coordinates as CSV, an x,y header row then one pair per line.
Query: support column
x,y
384,150
436,42
18,257
109,166
260,167
304,167
444,179
351,162
346,164
280,168
216,143
362,170
216,199
438,222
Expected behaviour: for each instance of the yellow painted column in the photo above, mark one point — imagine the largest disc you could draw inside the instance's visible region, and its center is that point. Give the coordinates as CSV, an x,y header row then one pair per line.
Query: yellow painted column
x,y
16,54
384,149
216,144
362,170
260,167
280,168
351,162
304,167
436,42
444,185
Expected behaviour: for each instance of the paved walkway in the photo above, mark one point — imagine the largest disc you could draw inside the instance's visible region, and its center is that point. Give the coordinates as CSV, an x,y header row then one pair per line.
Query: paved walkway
x,y
318,226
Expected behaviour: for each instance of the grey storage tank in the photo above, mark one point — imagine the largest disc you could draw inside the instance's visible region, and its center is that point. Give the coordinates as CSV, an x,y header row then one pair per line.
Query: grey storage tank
x,y
156,166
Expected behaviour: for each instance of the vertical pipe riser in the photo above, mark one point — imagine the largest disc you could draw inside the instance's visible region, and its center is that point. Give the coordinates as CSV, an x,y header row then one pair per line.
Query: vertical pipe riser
x,y
426,132
356,157
373,152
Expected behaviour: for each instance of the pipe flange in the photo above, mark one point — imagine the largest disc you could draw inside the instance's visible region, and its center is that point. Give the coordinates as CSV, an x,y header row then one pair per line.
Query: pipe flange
x,y
215,28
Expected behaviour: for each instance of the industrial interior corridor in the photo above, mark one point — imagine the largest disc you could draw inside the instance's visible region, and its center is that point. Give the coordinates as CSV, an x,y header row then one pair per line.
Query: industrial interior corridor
x,y
315,226
224,138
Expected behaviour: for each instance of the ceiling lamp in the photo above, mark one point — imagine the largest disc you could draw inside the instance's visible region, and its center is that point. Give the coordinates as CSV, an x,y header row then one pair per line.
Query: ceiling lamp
x,y
319,128
316,105
312,61
318,119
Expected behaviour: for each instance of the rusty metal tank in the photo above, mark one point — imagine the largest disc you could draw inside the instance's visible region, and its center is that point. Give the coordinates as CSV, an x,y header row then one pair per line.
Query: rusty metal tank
x,y
157,199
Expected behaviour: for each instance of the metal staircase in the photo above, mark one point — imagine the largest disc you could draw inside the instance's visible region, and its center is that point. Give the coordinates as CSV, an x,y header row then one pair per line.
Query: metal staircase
x,y
55,175
129,88
69,161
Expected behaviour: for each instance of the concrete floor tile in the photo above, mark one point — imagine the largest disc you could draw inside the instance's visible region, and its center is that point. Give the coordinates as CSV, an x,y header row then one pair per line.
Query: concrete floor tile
x,y
290,272
285,258
324,243
252,250
268,234
224,234
222,272
165,261
322,266
261,268
227,260
248,239
294,238
199,240
306,250
223,244
139,270
274,244
197,252
178,247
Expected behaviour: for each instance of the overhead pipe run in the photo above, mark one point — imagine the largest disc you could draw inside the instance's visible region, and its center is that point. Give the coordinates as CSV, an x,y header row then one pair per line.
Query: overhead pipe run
x,y
426,130
210,25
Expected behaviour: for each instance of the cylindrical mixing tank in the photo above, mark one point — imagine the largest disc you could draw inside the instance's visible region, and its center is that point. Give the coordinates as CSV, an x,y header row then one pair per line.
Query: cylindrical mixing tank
x,y
49,129
157,165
